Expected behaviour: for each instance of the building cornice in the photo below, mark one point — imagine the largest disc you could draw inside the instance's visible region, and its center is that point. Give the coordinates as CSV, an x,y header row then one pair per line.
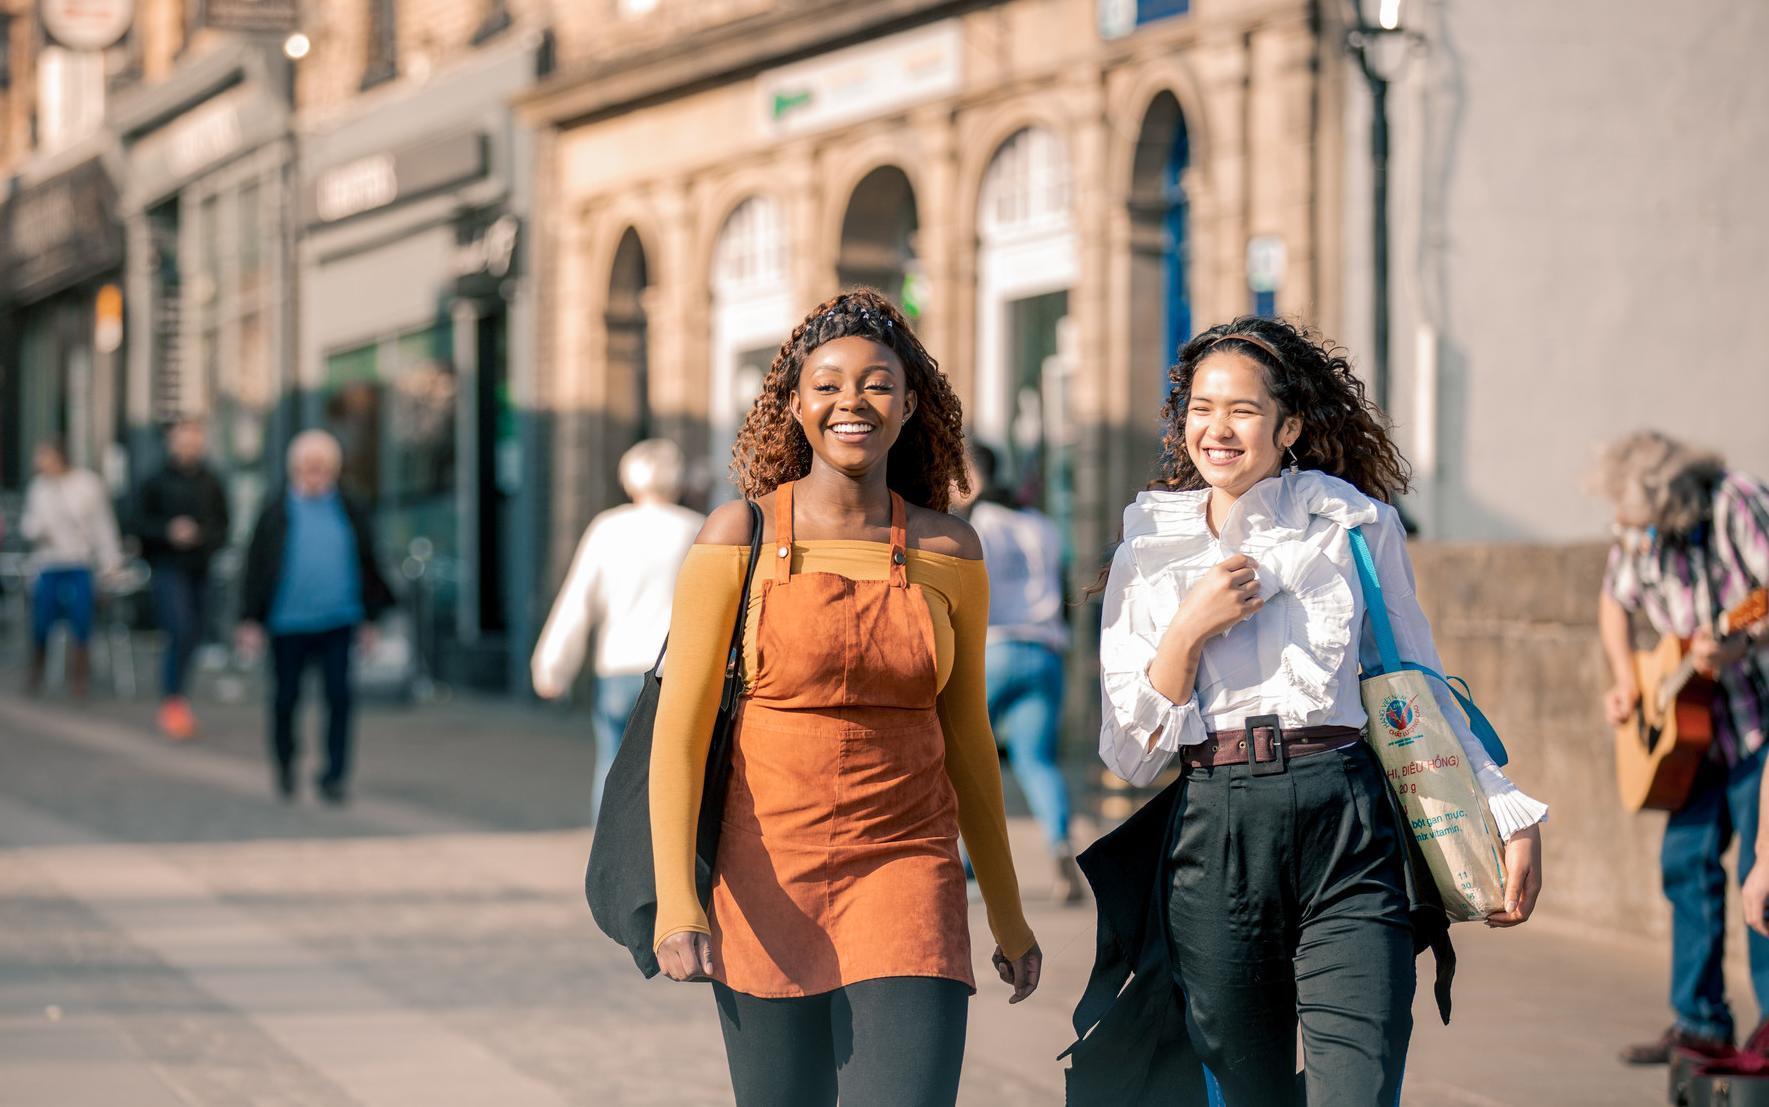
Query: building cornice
x,y
717,55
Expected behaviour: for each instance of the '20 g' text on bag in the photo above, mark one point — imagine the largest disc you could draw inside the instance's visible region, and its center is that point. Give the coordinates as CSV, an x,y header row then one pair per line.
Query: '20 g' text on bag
x,y
1427,768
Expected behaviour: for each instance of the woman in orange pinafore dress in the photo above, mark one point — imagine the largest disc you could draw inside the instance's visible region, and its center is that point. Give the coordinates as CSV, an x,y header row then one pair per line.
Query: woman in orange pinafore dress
x,y
838,934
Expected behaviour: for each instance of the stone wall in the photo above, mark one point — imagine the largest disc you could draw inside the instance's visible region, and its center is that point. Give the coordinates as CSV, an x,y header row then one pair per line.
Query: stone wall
x,y
1519,622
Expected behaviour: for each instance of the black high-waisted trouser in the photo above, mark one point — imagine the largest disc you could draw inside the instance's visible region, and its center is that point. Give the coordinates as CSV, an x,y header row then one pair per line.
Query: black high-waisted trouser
x,y
1288,903
892,1042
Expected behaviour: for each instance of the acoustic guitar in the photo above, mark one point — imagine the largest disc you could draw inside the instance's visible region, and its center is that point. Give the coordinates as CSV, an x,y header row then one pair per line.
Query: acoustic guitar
x,y
1658,750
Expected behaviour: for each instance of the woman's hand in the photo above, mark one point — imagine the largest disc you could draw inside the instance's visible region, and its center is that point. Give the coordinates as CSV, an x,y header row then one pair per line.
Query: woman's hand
x,y
1619,701
1225,596
1523,877
1022,972
1756,896
686,956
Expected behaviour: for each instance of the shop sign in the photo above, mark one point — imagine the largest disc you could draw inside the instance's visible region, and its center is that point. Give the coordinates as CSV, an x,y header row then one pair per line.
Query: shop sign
x,y
252,15
378,180
61,231
863,82
362,185
1118,18
205,136
87,24
488,251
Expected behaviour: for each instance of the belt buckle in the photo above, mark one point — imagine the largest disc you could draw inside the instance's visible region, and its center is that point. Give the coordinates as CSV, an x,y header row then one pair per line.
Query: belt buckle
x,y
1279,760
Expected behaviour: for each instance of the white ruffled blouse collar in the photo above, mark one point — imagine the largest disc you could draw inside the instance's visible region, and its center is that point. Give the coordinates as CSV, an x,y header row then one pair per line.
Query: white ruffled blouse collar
x,y
1276,509
1269,524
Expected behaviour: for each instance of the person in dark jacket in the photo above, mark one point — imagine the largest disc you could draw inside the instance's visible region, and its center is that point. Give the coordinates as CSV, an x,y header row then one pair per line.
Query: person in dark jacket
x,y
311,582
182,521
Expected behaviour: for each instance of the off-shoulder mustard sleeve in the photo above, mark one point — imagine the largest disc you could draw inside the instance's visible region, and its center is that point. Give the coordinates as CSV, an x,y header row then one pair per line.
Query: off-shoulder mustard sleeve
x,y
705,609
974,766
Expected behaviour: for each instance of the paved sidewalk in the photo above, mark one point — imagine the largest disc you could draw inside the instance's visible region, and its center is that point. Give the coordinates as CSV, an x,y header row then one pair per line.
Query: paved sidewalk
x,y
172,935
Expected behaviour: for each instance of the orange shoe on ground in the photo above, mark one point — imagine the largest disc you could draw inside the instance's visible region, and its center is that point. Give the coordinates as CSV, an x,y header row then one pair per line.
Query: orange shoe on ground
x,y
176,720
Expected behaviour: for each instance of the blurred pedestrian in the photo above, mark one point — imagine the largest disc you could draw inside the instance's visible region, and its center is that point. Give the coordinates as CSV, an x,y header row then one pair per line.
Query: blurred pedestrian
x,y
311,581
838,936
73,534
621,583
1279,861
1028,637
182,522
1692,540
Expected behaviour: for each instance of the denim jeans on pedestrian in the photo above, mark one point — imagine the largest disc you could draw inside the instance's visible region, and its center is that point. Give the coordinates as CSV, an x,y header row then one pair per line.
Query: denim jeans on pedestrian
x,y
1025,689
615,697
62,595
1721,805
180,601
290,655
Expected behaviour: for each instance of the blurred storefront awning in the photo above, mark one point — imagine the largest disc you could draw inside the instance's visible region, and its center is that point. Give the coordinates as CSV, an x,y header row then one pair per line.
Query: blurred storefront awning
x,y
58,232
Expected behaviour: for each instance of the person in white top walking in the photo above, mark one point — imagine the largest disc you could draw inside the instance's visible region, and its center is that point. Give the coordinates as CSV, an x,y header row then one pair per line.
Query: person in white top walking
x,y
1233,631
73,534
1028,637
621,582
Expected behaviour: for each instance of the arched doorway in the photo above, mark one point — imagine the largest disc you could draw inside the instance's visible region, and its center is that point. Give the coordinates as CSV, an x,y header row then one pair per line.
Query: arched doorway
x,y
1160,254
1027,261
751,315
878,239
627,413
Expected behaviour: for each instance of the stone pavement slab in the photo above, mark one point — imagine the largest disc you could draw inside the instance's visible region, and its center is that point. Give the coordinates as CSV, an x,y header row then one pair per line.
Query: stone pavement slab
x,y
169,933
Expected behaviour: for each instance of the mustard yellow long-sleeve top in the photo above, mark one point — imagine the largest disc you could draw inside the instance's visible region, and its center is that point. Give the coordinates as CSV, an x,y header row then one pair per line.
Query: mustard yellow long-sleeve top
x,y
957,593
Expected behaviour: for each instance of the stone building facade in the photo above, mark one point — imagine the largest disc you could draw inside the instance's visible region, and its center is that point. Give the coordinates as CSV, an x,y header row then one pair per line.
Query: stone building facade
x,y
1058,190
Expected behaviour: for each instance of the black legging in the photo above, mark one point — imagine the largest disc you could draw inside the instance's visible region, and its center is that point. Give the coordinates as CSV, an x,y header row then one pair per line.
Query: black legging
x,y
892,1042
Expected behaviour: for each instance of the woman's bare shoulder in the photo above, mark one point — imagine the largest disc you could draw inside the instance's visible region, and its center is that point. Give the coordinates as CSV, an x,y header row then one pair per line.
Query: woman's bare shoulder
x,y
729,524
943,533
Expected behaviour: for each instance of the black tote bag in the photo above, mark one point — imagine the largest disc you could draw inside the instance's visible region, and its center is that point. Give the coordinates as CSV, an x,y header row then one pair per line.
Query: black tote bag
x,y
619,881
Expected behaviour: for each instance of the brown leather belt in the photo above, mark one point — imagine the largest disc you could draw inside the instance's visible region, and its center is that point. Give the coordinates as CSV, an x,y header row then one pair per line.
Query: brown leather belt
x,y
1269,743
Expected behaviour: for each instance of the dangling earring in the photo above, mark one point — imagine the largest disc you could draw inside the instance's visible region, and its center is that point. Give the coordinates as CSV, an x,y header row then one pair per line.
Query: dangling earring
x,y
1295,466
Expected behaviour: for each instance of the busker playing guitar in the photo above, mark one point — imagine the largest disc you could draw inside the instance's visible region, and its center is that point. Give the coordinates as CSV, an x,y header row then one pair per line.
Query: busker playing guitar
x,y
1692,542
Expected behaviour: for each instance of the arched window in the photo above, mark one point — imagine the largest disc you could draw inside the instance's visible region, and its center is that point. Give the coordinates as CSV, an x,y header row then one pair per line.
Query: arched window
x,y
1027,189
752,249
752,312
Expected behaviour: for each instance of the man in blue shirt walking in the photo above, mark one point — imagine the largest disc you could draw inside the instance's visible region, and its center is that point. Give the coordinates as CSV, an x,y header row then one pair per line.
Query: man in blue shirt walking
x,y
312,583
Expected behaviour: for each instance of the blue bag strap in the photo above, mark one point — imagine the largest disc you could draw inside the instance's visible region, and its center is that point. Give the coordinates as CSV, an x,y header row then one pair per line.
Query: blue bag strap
x,y
1373,601
1392,663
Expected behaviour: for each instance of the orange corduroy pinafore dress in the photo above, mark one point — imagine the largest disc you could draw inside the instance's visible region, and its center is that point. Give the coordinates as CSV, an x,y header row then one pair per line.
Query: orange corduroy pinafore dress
x,y
838,857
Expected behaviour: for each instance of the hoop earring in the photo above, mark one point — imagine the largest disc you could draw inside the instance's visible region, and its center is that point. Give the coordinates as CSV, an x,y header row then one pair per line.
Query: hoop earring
x,y
1295,466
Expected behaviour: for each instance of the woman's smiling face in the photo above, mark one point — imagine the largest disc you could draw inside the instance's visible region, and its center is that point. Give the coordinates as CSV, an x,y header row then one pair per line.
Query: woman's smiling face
x,y
1234,431
852,400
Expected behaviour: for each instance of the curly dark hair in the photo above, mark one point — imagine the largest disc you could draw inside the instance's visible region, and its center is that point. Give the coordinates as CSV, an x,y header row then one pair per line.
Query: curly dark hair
x,y
927,459
1343,432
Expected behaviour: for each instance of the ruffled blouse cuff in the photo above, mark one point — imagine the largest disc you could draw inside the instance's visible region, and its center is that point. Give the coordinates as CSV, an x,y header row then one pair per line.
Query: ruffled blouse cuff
x,y
1512,810
1173,724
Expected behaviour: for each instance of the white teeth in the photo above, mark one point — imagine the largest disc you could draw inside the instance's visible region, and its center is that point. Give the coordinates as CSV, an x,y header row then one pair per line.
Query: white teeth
x,y
1222,455
851,428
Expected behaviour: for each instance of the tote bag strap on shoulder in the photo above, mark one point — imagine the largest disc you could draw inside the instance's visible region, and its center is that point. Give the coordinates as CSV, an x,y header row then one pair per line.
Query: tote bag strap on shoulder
x,y
1383,628
749,573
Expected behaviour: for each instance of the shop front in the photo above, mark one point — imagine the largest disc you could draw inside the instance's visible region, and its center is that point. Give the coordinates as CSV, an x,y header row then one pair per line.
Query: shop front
x,y
207,218
60,321
414,327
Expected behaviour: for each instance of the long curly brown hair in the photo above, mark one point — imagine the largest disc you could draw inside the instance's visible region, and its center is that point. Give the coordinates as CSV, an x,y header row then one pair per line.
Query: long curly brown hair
x,y
1343,432
927,459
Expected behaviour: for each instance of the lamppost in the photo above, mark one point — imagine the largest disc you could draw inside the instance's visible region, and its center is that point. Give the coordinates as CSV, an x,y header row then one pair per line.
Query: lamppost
x,y
1368,40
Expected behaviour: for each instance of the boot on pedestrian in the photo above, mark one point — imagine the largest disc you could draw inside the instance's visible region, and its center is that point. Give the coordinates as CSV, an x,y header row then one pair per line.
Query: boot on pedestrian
x,y
177,722
79,671
1070,887
1659,1050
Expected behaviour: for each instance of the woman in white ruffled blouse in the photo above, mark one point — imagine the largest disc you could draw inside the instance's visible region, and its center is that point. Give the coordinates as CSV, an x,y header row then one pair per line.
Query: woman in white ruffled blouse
x,y
1234,596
